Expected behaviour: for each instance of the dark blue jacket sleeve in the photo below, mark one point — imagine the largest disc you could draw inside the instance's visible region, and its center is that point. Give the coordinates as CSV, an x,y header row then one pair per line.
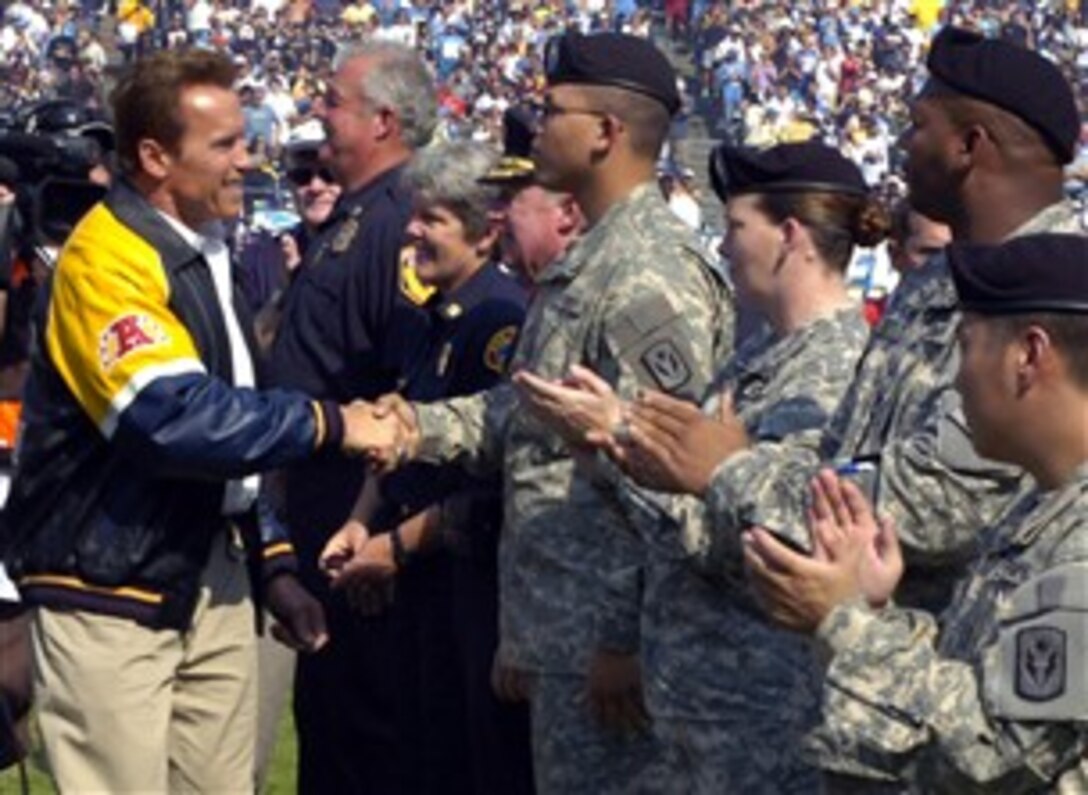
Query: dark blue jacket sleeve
x,y
196,426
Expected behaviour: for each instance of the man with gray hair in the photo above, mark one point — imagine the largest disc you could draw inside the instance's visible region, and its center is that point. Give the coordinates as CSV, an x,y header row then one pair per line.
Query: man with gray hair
x,y
346,317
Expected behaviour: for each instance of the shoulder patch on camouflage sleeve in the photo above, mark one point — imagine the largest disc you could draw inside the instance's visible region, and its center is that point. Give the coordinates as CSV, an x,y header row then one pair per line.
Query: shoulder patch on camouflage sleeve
x,y
500,349
1040,663
667,365
125,335
410,285
1036,673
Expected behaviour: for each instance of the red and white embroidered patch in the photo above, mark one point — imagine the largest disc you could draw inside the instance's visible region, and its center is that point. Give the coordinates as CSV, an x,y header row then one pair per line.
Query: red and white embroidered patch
x,y
125,335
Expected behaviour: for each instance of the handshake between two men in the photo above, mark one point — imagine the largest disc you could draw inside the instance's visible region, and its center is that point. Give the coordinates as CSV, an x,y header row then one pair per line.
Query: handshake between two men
x,y
385,432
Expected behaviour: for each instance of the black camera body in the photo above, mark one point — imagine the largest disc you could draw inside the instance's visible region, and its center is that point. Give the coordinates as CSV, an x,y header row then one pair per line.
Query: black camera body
x,y
54,146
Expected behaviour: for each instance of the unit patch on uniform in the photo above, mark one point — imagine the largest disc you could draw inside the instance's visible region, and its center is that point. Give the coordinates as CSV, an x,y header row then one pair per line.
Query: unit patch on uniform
x,y
500,348
125,335
344,236
410,285
667,365
1040,663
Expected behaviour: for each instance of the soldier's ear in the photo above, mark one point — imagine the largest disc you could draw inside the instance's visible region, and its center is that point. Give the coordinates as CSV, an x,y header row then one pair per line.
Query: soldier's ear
x,y
1035,357
794,235
570,216
608,130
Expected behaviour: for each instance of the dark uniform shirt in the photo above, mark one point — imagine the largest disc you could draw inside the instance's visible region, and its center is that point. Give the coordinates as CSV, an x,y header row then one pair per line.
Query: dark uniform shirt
x,y
461,739
354,308
351,314
471,336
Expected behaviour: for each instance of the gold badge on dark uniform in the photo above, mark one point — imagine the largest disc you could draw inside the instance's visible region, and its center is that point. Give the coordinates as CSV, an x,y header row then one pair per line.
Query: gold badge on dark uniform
x,y
345,235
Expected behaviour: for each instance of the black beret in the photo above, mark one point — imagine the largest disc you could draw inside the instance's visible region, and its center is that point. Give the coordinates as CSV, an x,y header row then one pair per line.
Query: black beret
x,y
808,166
1015,79
1033,273
612,59
515,165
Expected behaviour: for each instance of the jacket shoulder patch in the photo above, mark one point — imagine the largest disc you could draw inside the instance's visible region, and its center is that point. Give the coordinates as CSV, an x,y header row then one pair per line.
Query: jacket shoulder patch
x,y
125,335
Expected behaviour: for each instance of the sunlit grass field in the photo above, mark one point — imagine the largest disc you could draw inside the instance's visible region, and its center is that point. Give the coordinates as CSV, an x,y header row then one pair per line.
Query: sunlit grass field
x,y
281,775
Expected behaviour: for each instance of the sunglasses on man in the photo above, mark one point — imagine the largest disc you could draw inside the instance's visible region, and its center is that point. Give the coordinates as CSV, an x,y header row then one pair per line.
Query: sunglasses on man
x,y
303,175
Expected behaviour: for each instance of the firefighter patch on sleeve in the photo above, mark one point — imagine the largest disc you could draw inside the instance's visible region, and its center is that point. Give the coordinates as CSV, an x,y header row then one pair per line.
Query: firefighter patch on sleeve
x,y
410,285
500,348
126,335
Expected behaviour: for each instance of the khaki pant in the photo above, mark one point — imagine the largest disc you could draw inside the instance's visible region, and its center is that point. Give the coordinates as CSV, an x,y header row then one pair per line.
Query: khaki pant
x,y
275,678
127,709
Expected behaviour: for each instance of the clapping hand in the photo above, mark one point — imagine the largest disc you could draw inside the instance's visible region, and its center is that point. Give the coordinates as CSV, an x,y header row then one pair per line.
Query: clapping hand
x,y
839,517
853,556
670,445
582,409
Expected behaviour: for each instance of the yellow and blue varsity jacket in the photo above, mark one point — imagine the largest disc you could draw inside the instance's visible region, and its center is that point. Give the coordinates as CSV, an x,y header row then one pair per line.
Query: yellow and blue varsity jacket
x,y
131,427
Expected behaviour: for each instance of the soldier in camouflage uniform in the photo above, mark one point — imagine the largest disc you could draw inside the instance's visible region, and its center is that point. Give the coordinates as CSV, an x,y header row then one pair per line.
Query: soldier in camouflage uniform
x,y
901,415
994,696
730,695
635,299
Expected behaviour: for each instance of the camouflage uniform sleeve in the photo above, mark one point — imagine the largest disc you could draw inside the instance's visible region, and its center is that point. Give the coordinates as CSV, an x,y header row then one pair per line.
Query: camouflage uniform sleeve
x,y
665,337
938,490
709,528
894,709
761,485
766,486
467,430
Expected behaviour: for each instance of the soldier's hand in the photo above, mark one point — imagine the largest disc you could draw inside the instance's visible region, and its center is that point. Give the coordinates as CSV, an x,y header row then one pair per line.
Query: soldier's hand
x,y
614,692
364,432
582,409
300,619
795,590
398,412
670,445
840,518
510,684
